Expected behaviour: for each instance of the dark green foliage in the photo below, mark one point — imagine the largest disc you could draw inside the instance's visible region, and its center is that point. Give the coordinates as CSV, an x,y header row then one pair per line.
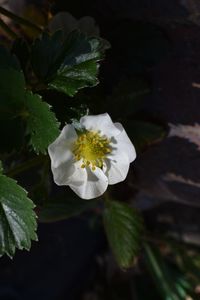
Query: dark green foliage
x,y
124,227
17,218
20,48
70,79
64,207
171,283
12,87
47,55
68,65
41,123
8,60
19,108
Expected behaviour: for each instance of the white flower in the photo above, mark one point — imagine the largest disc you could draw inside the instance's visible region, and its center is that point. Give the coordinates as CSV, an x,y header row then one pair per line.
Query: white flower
x,y
89,160
66,22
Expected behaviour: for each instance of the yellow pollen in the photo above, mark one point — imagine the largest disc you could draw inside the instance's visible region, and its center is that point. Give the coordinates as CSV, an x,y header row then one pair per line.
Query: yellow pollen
x,y
92,148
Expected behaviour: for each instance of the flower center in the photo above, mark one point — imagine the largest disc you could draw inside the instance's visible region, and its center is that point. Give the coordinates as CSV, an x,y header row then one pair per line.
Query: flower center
x,y
92,148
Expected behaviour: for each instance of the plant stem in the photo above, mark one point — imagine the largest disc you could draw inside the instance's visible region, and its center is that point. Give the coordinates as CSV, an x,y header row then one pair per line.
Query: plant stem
x,y
26,165
20,20
5,28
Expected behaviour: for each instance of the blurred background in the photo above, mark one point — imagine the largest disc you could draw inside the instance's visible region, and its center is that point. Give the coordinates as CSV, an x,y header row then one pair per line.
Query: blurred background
x,y
150,81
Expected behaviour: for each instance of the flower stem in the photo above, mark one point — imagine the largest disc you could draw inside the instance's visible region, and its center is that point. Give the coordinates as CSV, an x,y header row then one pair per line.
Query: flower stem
x,y
5,28
26,165
20,20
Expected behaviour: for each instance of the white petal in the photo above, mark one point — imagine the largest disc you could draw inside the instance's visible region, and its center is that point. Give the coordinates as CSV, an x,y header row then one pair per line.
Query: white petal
x,y
62,174
88,184
117,166
124,144
60,149
101,122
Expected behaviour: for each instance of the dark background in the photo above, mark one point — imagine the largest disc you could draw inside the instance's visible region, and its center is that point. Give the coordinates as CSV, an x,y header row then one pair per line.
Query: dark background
x,y
72,260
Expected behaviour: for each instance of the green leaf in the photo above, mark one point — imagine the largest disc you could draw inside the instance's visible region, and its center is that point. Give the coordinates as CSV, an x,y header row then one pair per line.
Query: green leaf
x,y
18,105
144,133
21,49
170,282
17,218
46,55
189,263
42,124
12,87
12,127
64,207
68,65
70,79
123,227
8,60
80,66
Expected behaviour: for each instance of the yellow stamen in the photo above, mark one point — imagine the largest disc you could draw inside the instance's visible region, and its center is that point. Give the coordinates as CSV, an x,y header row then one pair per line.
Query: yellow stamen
x,y
92,148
